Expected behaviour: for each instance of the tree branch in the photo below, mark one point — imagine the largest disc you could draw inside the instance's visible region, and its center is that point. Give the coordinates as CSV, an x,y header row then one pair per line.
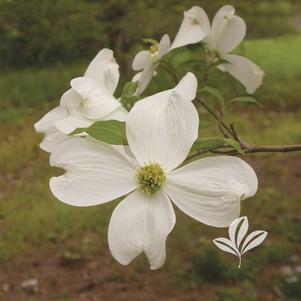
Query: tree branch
x,y
273,149
215,116
230,130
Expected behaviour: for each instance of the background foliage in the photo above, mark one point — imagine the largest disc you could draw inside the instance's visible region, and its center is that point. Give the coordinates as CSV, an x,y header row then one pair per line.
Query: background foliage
x,y
42,32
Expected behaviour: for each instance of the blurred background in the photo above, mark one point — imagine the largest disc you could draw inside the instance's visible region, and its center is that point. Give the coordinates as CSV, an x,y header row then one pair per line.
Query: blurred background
x,y
51,251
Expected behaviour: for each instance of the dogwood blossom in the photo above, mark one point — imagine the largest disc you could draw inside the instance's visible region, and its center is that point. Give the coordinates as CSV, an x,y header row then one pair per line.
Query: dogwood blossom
x,y
194,28
160,131
89,99
148,61
226,33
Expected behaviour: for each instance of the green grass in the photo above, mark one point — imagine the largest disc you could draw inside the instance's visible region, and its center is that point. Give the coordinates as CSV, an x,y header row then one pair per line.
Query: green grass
x,y
280,58
24,92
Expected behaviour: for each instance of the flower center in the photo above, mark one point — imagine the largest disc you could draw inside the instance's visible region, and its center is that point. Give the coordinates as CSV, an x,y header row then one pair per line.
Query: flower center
x,y
150,178
153,49
154,52
226,18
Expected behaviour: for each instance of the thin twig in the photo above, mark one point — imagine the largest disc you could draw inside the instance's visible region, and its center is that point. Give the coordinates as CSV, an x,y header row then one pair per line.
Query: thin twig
x,y
273,149
230,130
249,150
213,114
221,129
236,137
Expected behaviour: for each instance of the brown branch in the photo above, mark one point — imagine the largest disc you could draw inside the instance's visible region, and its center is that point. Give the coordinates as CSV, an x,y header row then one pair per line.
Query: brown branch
x,y
273,149
249,150
237,138
221,129
231,131
215,116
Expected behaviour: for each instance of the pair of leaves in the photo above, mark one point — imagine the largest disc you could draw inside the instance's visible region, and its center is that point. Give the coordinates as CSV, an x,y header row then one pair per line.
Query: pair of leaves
x,y
108,131
219,96
216,142
128,98
239,243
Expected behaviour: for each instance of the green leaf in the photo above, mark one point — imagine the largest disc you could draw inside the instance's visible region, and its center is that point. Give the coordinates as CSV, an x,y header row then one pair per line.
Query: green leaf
x,y
127,98
108,131
246,99
130,88
129,101
150,41
217,94
216,142
193,62
208,143
198,48
77,131
234,144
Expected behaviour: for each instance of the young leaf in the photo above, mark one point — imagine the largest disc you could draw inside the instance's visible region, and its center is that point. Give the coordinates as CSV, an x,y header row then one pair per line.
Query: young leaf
x,y
208,143
109,131
130,88
128,98
217,94
216,142
129,101
77,131
150,41
253,240
226,245
235,145
246,99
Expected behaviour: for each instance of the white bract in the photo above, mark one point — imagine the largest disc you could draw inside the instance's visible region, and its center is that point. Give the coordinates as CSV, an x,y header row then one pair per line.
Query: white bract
x,y
148,61
225,34
90,99
194,28
160,131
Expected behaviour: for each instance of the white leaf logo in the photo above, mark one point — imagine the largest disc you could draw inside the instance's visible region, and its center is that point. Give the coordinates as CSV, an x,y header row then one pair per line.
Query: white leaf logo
x,y
239,243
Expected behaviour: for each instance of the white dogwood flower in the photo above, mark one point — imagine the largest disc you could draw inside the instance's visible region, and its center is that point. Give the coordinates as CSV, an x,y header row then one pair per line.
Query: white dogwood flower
x,y
148,61
226,33
90,99
160,131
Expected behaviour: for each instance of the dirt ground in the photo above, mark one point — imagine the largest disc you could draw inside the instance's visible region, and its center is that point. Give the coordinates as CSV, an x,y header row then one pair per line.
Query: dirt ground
x,y
53,277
